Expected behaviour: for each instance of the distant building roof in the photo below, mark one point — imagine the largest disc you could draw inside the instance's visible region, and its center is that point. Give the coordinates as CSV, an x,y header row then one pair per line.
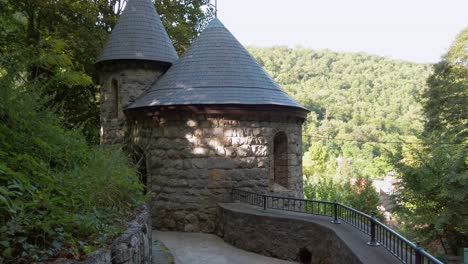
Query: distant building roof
x,y
216,69
139,35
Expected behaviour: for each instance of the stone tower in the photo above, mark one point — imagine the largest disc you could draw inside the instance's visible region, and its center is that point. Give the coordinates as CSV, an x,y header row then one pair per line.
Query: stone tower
x,y
213,122
137,53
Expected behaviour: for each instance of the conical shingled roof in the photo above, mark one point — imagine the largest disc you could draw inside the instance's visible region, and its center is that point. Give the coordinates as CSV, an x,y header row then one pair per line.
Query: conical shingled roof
x,y
216,69
139,35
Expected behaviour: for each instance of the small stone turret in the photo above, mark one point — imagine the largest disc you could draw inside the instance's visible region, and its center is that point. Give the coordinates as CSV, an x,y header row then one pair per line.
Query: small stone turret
x,y
137,53
215,121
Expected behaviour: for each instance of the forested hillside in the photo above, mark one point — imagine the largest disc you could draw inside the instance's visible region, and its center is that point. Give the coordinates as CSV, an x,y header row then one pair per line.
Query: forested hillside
x,y
372,115
354,98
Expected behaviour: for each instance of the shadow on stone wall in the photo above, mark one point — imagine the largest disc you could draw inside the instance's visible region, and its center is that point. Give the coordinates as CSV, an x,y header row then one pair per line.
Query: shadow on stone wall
x,y
193,161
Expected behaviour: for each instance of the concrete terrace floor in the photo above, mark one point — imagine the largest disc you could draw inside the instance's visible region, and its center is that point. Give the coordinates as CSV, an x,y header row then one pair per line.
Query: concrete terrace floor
x,y
198,248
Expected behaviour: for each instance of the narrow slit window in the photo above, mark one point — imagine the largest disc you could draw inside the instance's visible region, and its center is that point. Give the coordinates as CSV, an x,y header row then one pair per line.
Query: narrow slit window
x,y
280,153
115,99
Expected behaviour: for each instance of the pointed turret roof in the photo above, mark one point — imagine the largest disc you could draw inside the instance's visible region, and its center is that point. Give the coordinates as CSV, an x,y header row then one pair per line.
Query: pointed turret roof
x,y
216,69
139,35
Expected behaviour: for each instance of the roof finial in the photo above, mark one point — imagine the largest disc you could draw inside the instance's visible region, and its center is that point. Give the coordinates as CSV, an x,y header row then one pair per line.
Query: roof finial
x,y
215,7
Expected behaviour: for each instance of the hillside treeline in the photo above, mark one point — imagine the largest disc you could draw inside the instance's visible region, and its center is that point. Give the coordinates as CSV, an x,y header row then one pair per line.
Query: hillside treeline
x,y
373,116
355,100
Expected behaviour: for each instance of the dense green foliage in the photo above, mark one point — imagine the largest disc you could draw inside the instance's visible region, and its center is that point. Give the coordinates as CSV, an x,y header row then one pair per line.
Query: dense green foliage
x,y
59,196
56,193
359,99
445,102
48,41
58,41
356,192
355,99
433,196
184,20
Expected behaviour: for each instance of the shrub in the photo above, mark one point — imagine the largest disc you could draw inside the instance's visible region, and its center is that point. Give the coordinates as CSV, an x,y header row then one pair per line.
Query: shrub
x,y
58,196
358,194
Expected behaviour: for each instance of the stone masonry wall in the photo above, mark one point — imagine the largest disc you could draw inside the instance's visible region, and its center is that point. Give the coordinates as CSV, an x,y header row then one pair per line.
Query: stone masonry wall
x,y
194,160
284,238
131,79
132,247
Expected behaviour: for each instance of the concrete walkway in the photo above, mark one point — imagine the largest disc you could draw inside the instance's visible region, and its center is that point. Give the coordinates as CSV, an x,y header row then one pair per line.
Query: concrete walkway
x,y
161,254
197,248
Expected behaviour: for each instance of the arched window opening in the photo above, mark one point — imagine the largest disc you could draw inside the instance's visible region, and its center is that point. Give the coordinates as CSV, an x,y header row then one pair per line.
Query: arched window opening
x,y
280,153
114,98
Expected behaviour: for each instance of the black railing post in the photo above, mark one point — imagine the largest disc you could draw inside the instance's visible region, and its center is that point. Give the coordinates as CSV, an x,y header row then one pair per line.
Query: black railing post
x,y
264,202
417,254
373,242
335,213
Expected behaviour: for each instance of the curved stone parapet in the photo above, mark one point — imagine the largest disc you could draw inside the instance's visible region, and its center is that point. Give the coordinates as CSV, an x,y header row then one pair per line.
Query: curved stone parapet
x,y
295,236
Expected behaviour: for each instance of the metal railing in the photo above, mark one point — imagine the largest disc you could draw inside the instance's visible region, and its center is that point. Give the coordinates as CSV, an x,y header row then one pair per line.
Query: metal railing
x,y
380,234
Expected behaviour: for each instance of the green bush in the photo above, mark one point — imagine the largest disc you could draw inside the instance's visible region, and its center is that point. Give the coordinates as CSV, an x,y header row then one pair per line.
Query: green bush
x,y
325,180
58,196
359,194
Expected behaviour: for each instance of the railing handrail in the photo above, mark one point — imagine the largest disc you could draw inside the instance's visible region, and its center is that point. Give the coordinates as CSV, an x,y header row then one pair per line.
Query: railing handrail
x,y
395,233
418,250
352,209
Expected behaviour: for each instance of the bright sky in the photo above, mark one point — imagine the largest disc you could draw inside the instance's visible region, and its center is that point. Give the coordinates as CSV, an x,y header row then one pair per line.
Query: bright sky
x,y
412,30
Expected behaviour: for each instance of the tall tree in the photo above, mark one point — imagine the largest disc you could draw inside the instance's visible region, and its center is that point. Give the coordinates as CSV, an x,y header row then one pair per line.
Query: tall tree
x,y
184,20
54,43
445,102
433,198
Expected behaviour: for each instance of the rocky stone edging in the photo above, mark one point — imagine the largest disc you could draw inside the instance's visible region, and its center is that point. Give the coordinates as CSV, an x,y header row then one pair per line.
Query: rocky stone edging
x,y
132,247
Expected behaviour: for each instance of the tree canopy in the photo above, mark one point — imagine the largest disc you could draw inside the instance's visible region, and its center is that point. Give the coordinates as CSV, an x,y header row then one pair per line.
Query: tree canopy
x,y
355,99
445,100
362,106
57,42
433,196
